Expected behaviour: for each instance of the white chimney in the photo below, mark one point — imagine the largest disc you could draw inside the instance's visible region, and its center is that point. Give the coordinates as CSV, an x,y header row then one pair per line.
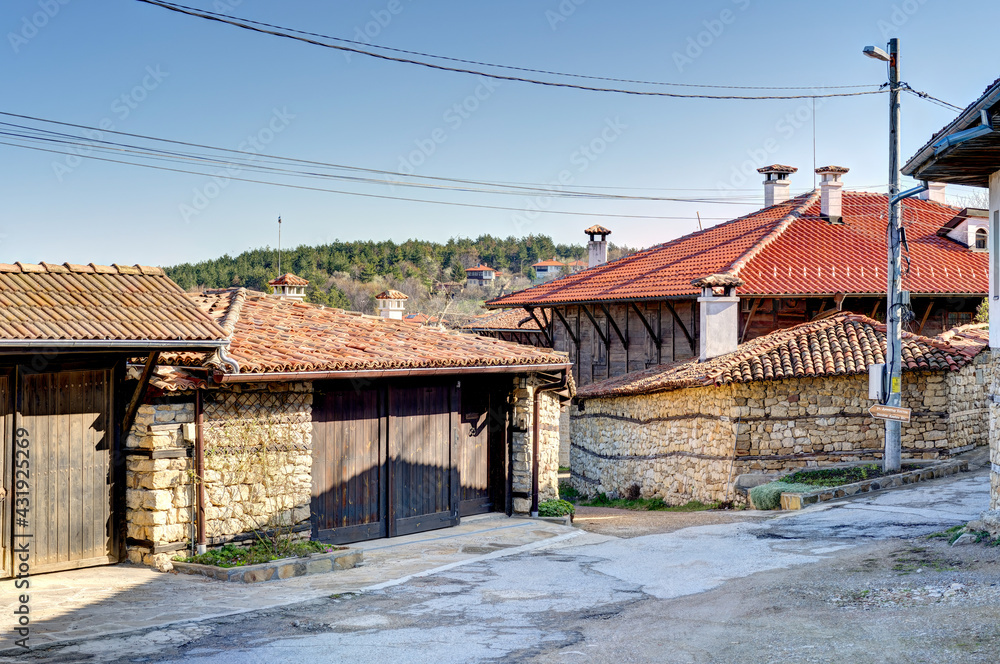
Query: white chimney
x,y
391,304
720,314
289,287
776,183
935,192
830,193
598,248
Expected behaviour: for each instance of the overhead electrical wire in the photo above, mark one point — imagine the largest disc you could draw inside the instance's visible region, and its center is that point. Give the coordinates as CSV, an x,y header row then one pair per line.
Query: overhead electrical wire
x,y
510,67
286,34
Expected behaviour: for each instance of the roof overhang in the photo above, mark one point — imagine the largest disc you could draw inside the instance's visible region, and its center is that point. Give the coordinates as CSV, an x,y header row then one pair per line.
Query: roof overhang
x,y
8,346
299,376
970,162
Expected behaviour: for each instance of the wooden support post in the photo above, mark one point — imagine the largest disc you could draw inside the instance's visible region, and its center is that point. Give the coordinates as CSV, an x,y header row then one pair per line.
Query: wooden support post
x,y
622,337
140,390
569,331
677,319
600,332
923,321
753,310
653,335
543,328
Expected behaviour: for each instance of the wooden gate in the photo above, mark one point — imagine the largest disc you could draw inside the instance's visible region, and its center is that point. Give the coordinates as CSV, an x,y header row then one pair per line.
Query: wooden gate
x,y
349,502
67,419
473,453
423,432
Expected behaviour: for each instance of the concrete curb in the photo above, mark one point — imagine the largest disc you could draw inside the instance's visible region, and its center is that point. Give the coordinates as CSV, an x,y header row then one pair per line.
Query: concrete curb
x,y
797,501
286,568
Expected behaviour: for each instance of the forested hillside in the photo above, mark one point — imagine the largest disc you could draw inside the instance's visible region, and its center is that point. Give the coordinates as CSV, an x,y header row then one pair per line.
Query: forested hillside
x,y
348,274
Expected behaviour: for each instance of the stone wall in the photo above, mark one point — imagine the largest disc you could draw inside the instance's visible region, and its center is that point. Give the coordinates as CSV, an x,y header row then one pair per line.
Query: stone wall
x,y
257,474
691,444
548,466
992,371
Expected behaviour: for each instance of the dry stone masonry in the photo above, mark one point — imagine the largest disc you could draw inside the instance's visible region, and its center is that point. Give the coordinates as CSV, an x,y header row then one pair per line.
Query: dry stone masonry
x,y
548,462
691,444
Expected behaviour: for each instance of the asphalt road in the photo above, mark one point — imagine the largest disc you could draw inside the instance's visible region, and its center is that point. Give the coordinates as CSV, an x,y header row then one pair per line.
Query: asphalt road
x,y
855,581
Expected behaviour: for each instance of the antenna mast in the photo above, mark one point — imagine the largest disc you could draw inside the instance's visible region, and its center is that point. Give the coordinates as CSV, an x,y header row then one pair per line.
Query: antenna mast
x,y
279,246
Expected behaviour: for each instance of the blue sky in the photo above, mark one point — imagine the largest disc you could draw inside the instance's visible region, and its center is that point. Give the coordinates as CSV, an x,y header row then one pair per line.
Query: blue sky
x,y
144,70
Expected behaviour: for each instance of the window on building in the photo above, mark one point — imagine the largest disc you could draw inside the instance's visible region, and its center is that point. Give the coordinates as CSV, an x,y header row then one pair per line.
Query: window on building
x,y
981,239
956,318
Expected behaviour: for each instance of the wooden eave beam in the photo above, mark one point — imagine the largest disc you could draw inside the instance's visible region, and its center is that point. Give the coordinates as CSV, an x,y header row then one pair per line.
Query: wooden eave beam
x,y
544,329
653,335
597,327
140,390
614,325
677,319
569,330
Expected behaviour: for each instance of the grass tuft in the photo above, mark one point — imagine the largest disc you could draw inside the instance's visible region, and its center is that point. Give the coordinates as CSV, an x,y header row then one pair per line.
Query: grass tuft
x,y
230,555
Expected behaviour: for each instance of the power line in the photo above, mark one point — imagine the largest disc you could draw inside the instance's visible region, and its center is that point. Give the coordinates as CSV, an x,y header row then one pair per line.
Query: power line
x,y
935,100
241,23
510,67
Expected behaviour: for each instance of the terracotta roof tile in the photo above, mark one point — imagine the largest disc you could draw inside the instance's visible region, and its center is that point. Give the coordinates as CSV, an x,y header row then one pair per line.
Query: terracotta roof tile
x,y
279,335
786,249
838,346
288,279
392,295
95,302
511,320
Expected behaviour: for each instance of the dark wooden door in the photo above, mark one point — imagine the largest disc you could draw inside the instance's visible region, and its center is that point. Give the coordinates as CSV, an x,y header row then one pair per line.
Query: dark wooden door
x,y
66,417
349,496
424,491
473,452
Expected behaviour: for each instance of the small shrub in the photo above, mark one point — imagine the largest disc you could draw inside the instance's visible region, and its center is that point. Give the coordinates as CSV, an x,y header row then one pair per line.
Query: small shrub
x,y
827,477
555,508
768,496
568,492
231,555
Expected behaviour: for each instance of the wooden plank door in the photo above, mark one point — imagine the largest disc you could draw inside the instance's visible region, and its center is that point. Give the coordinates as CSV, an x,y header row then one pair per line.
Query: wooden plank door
x,y
67,418
473,457
7,500
423,487
349,493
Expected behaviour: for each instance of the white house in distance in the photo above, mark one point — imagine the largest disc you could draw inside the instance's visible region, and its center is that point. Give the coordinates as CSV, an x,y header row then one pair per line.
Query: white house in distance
x,y
967,151
481,275
550,269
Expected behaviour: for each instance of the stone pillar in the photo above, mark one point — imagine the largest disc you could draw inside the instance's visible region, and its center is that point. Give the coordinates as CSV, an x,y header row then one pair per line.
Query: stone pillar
x,y
548,446
994,248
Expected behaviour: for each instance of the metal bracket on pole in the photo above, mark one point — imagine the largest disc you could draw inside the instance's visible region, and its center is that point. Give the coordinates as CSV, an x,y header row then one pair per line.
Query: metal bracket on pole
x,y
919,189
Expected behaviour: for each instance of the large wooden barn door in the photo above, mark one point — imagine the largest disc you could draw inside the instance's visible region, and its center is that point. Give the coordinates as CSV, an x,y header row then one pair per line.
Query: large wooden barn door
x,y
473,460
349,449
67,418
423,424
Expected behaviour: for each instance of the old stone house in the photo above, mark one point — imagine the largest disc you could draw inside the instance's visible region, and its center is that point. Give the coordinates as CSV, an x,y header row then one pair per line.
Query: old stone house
x,y
66,335
338,426
967,152
789,399
798,259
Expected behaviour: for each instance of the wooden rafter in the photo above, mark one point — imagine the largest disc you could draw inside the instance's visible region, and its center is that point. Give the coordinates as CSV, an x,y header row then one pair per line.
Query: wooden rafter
x,y
544,329
753,310
923,321
140,390
600,332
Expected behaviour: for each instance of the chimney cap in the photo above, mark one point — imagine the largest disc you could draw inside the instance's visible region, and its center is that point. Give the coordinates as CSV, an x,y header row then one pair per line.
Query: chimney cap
x,y
597,229
831,169
777,168
392,295
718,281
288,279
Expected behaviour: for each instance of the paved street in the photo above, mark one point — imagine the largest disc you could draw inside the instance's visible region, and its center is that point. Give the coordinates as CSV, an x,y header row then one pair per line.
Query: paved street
x,y
839,582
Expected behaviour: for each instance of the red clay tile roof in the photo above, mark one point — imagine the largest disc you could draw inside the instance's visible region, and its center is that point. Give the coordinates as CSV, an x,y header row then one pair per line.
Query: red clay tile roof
x,y
578,262
270,334
96,302
832,169
392,295
288,279
786,249
842,345
509,320
174,379
480,268
552,263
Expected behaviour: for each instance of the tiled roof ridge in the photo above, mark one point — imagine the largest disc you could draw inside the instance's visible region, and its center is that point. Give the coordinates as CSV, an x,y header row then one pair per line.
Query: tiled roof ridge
x,y
796,213
237,299
90,268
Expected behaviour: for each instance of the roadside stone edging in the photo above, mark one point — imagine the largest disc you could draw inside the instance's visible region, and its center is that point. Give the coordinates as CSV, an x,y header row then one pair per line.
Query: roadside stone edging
x,y
796,501
286,568
566,520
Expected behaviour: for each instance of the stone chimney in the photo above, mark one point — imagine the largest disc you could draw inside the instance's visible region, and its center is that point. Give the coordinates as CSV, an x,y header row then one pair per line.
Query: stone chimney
x,y
391,304
830,193
935,192
720,314
598,248
289,287
776,183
